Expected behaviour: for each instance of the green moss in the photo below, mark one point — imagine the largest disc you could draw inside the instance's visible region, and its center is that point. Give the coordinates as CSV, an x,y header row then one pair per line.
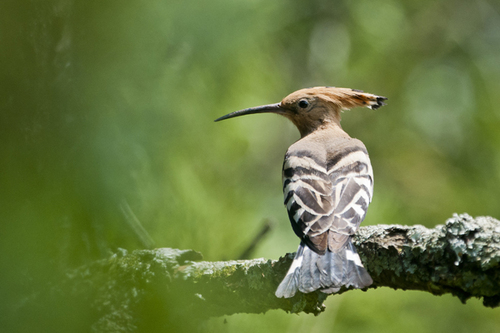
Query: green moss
x,y
461,257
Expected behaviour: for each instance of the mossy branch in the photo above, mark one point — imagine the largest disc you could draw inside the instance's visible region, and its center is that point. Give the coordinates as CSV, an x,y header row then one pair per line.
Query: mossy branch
x,y
461,257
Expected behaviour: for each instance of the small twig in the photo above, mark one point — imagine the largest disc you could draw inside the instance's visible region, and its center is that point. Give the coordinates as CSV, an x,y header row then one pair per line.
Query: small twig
x,y
266,227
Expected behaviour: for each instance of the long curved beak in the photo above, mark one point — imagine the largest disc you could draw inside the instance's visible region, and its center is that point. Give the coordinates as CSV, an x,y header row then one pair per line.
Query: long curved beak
x,y
273,108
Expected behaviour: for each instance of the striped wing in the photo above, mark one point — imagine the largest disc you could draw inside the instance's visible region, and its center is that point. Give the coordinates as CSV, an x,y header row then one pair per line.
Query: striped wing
x,y
327,202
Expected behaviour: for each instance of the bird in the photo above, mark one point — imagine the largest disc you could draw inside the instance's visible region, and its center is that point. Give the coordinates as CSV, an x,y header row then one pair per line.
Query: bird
x,y
327,187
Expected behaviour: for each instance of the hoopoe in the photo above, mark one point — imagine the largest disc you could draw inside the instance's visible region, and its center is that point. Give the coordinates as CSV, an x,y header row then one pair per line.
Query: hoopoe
x,y
327,186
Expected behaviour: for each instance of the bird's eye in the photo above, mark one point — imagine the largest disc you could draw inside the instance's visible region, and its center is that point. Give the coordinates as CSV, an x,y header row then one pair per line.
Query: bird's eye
x,y
303,103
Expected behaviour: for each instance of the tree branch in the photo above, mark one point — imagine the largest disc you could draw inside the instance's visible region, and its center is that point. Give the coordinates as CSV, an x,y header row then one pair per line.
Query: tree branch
x,y
461,257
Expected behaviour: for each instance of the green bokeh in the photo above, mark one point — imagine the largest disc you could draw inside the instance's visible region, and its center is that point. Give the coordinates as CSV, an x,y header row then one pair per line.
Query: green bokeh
x,y
106,118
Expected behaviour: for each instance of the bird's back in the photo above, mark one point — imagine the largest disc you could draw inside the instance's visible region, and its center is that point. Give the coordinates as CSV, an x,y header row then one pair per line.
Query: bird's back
x,y
327,184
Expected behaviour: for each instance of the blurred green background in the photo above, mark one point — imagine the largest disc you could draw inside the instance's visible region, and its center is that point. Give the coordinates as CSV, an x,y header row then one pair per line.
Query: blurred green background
x,y
106,119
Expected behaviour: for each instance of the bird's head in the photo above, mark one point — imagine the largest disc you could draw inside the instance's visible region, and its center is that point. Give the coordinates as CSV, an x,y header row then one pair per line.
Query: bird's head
x,y
314,108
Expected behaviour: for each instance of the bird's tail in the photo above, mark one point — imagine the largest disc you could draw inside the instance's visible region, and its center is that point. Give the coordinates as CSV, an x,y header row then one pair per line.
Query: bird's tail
x,y
329,272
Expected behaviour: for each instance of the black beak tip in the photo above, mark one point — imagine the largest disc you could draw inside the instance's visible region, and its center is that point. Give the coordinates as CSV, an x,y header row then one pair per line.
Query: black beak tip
x,y
221,118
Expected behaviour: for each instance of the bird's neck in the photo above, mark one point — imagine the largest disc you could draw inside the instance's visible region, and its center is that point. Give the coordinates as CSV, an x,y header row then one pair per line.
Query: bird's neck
x,y
332,129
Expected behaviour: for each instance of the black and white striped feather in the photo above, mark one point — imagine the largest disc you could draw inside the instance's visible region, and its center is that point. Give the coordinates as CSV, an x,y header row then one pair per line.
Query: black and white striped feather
x,y
327,195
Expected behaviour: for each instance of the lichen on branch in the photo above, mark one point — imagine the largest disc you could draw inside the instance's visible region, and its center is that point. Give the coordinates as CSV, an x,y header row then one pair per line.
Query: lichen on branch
x,y
461,257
